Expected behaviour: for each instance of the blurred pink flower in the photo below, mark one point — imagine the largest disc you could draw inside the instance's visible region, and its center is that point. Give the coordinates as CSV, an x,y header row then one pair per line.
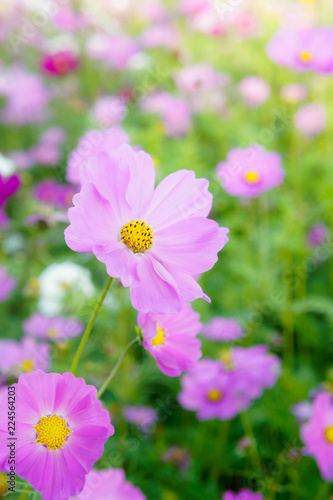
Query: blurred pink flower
x,y
52,328
254,90
143,417
161,35
90,144
154,240
318,235
190,7
251,171
174,111
8,187
302,411
293,92
24,356
116,50
60,63
7,284
303,49
171,339
243,494
54,194
223,330
108,484
317,434
108,110
311,119
200,77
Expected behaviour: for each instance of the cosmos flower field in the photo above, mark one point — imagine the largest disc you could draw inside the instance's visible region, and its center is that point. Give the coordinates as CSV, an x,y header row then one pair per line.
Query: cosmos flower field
x,y
166,272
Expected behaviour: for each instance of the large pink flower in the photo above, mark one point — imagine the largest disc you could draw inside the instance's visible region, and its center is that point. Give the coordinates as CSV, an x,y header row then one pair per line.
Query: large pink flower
x,y
171,339
60,428
243,494
155,241
303,49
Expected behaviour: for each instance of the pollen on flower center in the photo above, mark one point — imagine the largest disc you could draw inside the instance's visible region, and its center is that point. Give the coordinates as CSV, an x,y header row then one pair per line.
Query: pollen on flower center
x,y
329,434
137,236
28,365
214,395
226,358
52,431
252,177
306,57
159,337
52,332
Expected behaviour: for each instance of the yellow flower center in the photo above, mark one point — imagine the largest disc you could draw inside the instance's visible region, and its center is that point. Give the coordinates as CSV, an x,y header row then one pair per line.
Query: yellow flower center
x,y
159,338
137,236
226,358
329,434
52,332
252,177
3,483
28,365
215,395
306,57
52,431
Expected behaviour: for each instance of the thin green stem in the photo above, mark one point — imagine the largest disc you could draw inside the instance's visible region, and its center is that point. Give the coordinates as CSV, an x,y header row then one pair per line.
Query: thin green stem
x,y
116,368
249,431
90,325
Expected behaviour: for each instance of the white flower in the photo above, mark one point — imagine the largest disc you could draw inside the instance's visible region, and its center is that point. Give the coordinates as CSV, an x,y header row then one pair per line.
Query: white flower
x,y
7,166
59,279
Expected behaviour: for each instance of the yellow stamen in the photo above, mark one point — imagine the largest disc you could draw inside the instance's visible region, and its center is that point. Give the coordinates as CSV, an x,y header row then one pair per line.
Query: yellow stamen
x,y
215,395
28,365
306,57
52,432
252,177
226,358
3,483
159,338
329,434
52,332
137,236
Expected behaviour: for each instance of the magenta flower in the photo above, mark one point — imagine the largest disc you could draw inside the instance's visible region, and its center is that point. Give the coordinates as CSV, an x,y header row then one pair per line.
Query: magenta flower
x,y
251,171
108,483
90,144
8,187
223,330
318,235
143,417
50,192
7,284
311,119
24,356
254,91
317,434
52,328
210,391
155,241
61,429
60,63
303,49
243,494
171,339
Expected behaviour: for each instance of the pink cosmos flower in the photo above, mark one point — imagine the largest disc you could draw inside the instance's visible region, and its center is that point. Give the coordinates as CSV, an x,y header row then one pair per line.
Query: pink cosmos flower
x,y
243,494
61,429
24,356
311,119
109,110
223,330
174,111
52,328
171,339
209,21
251,171
254,91
318,235
7,284
293,92
303,49
317,434
144,417
190,7
161,35
90,144
152,10
52,193
116,50
60,63
8,187
199,78
108,484
302,411
155,241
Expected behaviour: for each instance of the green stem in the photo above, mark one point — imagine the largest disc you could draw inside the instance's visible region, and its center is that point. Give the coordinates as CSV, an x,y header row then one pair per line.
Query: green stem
x,y
249,431
89,327
116,368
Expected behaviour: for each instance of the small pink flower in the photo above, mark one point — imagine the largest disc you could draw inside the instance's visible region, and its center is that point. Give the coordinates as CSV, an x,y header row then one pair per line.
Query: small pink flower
x,y
171,339
116,50
311,119
154,240
51,193
174,111
52,328
61,429
318,235
92,143
161,35
223,330
7,284
60,63
108,483
317,434
109,110
254,90
24,356
303,49
144,417
251,171
243,494
293,92
199,78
